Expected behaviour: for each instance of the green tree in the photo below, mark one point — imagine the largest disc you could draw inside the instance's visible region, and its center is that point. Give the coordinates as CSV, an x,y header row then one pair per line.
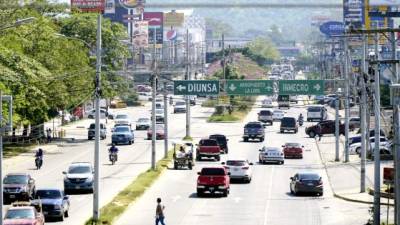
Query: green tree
x,y
219,27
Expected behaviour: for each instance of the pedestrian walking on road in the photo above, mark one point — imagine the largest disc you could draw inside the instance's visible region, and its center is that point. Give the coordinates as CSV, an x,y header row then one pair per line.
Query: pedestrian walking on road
x,y
160,212
318,133
48,135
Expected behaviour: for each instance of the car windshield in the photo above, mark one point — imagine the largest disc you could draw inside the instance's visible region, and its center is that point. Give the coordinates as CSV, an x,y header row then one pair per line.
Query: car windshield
x,y
314,109
121,116
309,176
79,169
208,142
235,162
278,112
253,125
16,179
48,194
292,145
212,171
180,103
160,111
143,120
121,129
20,214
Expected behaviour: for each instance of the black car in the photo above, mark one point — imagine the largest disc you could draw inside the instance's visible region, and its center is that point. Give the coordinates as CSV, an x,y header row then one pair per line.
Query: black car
x,y
55,204
222,142
306,183
289,124
254,130
18,187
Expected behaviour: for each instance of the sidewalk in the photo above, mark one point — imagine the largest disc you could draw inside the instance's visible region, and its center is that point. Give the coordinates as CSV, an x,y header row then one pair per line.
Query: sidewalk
x,y
345,178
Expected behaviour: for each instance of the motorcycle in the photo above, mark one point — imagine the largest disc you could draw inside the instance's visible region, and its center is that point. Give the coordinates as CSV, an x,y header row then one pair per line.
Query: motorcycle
x,y
300,122
113,158
38,162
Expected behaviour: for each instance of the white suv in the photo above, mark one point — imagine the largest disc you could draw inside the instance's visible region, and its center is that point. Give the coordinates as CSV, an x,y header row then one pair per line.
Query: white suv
x,y
79,177
239,169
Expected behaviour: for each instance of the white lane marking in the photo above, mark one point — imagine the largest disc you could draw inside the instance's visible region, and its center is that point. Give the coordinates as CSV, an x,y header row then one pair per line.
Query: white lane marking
x,y
176,198
237,199
269,196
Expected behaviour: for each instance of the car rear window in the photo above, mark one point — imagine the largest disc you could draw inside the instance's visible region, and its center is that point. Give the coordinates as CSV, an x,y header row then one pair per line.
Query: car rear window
x,y
235,163
212,171
292,145
314,109
92,126
265,113
288,122
180,103
122,116
309,176
253,125
208,142
20,214
218,138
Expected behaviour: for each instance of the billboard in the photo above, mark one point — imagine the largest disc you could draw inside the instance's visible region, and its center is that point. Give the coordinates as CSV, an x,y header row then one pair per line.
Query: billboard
x,y
332,28
88,5
109,7
354,15
384,2
130,4
173,19
140,34
156,21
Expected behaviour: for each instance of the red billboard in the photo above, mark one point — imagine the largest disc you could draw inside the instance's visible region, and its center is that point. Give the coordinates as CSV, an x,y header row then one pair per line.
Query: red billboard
x,y
89,5
156,20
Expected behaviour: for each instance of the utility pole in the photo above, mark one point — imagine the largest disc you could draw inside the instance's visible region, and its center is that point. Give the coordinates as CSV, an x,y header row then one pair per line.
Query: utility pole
x,y
363,115
4,129
347,100
396,126
377,158
187,78
96,192
165,121
153,105
223,58
337,129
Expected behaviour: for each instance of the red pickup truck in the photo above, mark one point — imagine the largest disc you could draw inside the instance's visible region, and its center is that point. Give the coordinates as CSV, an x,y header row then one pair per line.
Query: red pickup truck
x,y
213,179
208,148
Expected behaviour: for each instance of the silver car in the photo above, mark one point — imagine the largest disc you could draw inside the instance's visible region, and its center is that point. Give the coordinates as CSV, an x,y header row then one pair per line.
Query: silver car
x,y
79,177
271,155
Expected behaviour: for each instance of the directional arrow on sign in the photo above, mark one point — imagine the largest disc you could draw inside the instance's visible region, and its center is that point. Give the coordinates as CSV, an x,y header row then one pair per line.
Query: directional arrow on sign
x,y
317,87
269,88
181,87
232,87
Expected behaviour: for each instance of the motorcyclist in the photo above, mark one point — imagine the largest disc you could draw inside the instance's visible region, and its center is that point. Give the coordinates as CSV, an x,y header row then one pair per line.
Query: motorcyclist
x,y
301,119
39,153
113,150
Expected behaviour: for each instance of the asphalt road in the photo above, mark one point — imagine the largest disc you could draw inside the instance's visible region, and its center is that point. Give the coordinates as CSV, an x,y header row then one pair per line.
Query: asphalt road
x,y
266,200
133,159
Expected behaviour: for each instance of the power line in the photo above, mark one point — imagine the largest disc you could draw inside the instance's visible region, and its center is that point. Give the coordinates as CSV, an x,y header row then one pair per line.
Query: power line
x,y
245,5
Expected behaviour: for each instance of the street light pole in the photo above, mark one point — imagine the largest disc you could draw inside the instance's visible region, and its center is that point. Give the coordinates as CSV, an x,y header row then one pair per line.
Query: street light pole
x,y
187,78
363,115
165,121
96,192
347,100
153,106
337,129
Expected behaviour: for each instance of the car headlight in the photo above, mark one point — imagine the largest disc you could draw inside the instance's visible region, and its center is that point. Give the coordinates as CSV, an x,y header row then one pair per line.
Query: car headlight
x,y
200,186
221,187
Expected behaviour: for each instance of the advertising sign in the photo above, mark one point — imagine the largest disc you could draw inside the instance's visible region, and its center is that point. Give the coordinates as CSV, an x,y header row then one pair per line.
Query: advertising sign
x,y
173,19
171,35
354,15
332,28
155,20
384,2
140,34
88,5
130,4
110,7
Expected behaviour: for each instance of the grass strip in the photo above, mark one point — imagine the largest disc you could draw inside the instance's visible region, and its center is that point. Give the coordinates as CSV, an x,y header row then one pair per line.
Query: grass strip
x,y
226,117
11,151
209,103
187,138
131,193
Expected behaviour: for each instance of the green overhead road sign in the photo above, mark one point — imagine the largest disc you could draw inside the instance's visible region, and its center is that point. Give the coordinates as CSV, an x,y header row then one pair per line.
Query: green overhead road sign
x,y
301,87
196,87
249,87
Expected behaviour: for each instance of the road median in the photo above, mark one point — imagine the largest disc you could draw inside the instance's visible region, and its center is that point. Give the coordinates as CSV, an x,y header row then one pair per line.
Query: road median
x,y
111,211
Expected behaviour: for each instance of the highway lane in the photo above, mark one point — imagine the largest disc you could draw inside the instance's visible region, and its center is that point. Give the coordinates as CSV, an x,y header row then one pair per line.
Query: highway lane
x,y
133,160
266,200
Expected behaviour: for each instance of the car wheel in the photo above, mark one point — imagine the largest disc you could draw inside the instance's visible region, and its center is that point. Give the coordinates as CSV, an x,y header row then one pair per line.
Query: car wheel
x,y
283,162
90,138
281,131
358,150
190,166
218,158
261,139
321,193
198,158
225,193
66,214
200,193
175,166
245,139
311,134
130,142
61,218
291,191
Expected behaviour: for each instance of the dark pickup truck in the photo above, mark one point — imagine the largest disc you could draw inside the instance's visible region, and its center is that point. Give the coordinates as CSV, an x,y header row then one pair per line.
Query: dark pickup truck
x,y
324,127
254,130
213,179
208,148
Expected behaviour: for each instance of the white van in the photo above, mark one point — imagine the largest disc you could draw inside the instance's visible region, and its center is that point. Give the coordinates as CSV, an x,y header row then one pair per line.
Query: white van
x,y
317,112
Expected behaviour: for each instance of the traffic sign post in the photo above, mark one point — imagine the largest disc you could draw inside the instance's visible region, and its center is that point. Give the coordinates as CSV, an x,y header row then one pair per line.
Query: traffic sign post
x,y
301,87
196,87
250,87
